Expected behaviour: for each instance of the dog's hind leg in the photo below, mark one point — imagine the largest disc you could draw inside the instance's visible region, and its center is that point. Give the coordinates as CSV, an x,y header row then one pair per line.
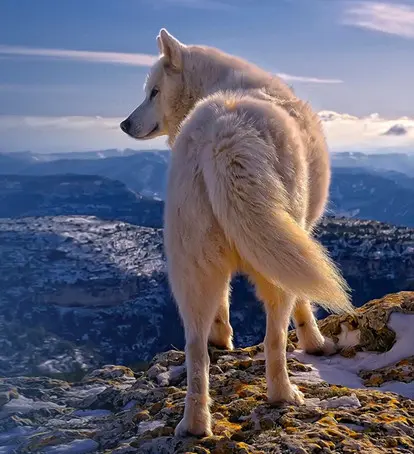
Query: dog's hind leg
x,y
310,338
279,306
198,297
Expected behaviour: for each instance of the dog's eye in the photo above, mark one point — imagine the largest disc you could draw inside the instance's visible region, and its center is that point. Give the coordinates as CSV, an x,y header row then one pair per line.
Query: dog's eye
x,y
154,93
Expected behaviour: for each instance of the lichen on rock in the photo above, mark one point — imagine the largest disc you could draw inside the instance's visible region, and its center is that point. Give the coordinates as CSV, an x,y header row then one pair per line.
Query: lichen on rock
x,y
116,410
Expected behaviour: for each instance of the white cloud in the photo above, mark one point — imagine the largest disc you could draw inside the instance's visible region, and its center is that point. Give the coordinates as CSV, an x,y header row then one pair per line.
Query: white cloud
x,y
89,56
391,18
348,132
70,133
76,133
314,80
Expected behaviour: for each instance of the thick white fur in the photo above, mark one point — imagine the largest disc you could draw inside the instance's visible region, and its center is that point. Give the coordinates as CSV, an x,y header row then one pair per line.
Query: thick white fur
x,y
248,181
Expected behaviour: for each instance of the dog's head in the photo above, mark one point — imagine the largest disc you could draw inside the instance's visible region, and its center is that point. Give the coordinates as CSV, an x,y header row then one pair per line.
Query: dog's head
x,y
169,94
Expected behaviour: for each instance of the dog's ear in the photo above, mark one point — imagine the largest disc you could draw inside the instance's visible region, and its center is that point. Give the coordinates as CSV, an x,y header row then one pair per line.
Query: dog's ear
x,y
159,44
171,48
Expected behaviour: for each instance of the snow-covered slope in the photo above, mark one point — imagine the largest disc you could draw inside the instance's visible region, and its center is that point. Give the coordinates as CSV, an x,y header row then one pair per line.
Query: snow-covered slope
x,y
78,291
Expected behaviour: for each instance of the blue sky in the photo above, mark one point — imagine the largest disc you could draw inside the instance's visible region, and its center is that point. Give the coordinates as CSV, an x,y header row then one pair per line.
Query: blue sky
x,y
68,73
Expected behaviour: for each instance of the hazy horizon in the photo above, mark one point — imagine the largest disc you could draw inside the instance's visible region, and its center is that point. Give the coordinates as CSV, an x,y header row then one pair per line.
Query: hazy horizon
x,y
68,76
80,134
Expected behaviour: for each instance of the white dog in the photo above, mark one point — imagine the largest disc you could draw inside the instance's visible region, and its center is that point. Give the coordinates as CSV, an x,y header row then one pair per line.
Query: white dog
x,y
248,180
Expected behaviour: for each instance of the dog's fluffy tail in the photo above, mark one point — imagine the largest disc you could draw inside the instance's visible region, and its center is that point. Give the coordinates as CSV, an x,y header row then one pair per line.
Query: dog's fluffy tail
x,y
242,195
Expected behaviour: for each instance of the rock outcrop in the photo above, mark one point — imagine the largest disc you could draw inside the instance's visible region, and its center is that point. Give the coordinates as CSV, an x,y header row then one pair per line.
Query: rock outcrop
x,y
79,292
358,401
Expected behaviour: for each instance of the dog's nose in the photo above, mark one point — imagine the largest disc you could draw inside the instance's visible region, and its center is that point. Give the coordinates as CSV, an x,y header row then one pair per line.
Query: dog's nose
x,y
125,125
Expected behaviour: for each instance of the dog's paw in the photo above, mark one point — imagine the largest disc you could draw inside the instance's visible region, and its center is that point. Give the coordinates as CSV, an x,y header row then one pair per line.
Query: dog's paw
x,y
221,345
196,428
326,347
313,342
289,394
221,336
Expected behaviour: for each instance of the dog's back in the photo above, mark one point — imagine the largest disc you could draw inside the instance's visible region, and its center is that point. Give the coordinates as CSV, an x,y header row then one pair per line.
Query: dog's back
x,y
252,80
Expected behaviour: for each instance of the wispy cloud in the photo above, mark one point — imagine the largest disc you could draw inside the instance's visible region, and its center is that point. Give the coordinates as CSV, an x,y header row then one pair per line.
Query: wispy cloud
x,y
68,123
314,80
79,133
119,58
391,18
89,56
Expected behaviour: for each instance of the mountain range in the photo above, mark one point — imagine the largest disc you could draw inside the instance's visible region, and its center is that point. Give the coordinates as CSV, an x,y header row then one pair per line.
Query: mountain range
x,y
364,186
143,172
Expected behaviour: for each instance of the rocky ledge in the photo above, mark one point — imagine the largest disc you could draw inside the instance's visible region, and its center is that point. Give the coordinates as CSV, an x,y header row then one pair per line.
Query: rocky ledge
x,y
358,400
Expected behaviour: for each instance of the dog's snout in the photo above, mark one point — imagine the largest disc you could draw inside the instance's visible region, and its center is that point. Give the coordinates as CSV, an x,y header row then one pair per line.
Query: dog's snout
x,y
125,125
